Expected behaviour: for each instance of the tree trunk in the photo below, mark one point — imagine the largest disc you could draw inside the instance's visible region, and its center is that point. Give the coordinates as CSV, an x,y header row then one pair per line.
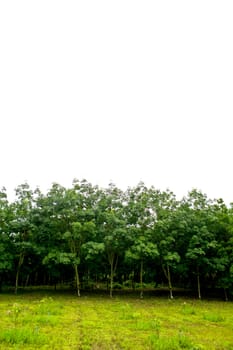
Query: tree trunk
x,y
27,280
168,276
225,294
169,281
132,280
198,283
113,266
111,278
20,263
77,279
141,280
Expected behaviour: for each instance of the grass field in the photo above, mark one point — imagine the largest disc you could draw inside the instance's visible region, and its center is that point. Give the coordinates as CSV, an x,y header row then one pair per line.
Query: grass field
x,y
44,320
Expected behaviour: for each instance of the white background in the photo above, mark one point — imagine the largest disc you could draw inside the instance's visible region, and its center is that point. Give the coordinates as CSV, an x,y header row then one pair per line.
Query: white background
x,y
118,91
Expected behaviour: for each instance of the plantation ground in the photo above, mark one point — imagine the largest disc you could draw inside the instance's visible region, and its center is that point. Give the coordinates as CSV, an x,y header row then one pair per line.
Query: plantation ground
x,y
45,320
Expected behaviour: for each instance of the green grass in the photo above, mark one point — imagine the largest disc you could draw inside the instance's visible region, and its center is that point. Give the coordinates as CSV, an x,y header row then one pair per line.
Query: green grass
x,y
58,321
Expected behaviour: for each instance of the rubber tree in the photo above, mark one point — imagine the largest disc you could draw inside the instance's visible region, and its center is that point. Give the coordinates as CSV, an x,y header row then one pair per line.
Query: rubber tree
x,y
112,227
52,219
202,247
6,249
169,257
164,235
68,221
140,251
226,250
21,226
79,234
141,218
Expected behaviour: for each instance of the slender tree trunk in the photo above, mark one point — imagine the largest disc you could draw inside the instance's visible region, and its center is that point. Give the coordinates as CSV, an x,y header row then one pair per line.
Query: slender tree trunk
x,y
27,280
20,263
77,279
169,281
198,283
168,276
225,294
141,280
113,266
132,281
107,283
111,278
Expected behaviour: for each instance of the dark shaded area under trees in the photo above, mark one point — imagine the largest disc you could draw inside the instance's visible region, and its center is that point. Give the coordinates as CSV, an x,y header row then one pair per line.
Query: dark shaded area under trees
x,y
91,237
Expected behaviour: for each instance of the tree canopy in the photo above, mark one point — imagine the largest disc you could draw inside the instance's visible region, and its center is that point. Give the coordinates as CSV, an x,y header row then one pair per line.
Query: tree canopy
x,y
86,235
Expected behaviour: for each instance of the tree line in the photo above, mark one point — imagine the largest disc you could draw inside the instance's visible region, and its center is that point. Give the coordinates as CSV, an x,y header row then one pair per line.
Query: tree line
x,y
87,235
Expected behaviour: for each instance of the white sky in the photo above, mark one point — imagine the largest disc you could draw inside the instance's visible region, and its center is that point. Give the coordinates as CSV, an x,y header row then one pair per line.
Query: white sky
x,y
117,91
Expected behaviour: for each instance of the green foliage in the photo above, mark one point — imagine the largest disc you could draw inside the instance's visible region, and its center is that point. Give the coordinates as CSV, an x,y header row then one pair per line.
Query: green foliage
x,y
56,257
92,249
101,236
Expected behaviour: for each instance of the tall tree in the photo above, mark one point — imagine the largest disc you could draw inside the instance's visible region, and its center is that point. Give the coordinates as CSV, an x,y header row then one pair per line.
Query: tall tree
x,y
141,219
21,226
52,219
165,236
222,260
202,243
6,256
76,238
112,227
